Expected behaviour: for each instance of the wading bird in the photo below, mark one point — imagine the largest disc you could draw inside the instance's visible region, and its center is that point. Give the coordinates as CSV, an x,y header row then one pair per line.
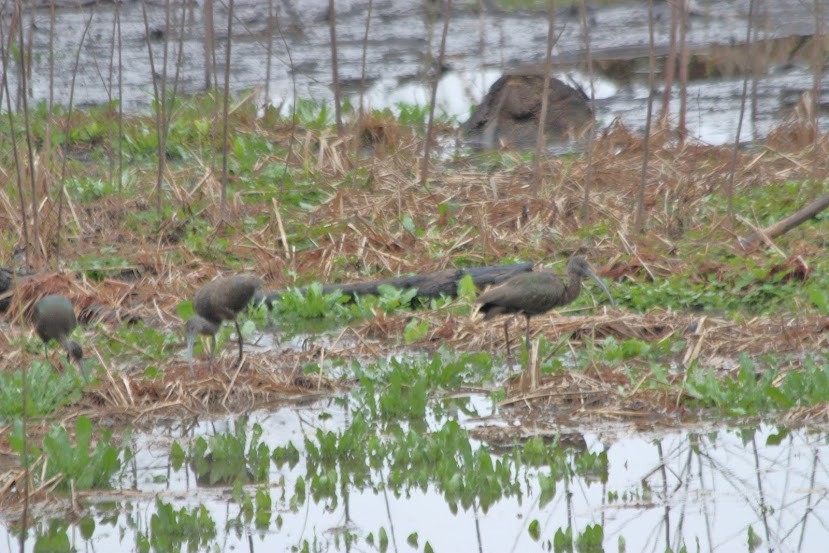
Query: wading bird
x,y
219,300
54,319
534,293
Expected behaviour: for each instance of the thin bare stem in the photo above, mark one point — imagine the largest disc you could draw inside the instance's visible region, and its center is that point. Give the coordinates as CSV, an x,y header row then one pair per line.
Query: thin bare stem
x,y
109,87
158,104
120,105
816,89
427,146
730,189
161,111
682,130
66,134
540,140
179,64
29,149
289,155
268,56
24,518
670,65
225,109
756,66
332,27
591,137
209,45
639,221
363,60
4,53
48,141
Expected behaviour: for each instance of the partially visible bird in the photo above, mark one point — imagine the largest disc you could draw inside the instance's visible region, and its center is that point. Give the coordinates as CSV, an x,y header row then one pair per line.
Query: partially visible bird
x,y
219,300
535,293
54,319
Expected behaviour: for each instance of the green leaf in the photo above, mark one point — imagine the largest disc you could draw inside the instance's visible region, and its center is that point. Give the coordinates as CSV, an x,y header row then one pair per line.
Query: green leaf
x,y
384,540
534,530
87,525
177,455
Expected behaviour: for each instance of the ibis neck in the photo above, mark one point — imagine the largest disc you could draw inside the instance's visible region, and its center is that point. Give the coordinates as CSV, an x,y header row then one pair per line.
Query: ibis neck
x,y
201,325
572,289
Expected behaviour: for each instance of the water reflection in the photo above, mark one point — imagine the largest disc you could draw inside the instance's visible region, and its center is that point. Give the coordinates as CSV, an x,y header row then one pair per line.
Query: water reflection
x,y
714,490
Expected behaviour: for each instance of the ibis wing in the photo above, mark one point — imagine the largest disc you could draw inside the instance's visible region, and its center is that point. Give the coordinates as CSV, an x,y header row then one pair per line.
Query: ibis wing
x,y
203,303
234,295
528,293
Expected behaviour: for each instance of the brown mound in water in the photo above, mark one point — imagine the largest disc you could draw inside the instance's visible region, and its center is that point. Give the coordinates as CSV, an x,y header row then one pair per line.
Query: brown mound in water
x,y
509,113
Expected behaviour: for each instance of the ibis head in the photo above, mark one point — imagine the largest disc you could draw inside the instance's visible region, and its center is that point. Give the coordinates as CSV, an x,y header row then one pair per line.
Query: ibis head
x,y
219,300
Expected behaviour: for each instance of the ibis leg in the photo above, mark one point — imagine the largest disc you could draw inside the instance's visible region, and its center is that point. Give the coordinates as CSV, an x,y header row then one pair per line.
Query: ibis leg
x,y
528,333
212,352
239,334
506,337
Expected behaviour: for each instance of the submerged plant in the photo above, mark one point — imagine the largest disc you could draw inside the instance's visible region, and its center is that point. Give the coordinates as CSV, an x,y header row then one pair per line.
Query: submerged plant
x,y
172,529
229,457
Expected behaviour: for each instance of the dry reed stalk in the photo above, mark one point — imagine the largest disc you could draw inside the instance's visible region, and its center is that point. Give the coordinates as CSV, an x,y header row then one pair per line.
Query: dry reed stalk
x,y
749,53
540,141
4,56
670,63
639,221
292,138
225,99
120,104
51,104
24,98
682,130
363,59
591,137
332,28
817,65
438,72
209,44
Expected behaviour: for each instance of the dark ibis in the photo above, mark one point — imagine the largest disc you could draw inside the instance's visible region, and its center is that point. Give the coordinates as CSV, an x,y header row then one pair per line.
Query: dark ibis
x,y
535,293
54,319
219,300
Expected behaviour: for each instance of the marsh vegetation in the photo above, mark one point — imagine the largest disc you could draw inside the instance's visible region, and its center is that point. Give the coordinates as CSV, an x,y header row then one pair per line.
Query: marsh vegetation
x,y
395,422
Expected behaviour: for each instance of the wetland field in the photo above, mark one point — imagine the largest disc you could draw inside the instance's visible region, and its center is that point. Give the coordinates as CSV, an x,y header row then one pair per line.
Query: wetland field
x,y
692,415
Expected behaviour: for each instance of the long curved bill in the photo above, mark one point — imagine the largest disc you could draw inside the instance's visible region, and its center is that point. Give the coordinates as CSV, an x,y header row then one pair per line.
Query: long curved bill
x,y
82,368
598,281
191,342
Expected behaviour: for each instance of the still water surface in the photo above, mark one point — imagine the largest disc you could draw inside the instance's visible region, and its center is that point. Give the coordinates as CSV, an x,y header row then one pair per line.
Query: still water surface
x,y
706,489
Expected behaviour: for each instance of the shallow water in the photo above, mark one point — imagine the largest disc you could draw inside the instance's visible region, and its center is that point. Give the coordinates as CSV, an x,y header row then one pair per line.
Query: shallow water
x,y
702,488
402,39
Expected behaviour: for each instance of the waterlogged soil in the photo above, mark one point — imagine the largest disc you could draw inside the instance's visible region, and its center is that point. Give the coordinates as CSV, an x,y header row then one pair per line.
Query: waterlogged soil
x,y
709,487
403,38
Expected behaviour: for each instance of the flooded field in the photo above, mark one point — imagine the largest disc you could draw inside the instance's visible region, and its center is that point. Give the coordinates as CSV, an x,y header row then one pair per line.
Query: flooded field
x,y
484,39
664,388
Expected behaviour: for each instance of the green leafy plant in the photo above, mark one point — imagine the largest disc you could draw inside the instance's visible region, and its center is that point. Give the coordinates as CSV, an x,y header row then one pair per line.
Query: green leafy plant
x,y
753,392
85,468
48,390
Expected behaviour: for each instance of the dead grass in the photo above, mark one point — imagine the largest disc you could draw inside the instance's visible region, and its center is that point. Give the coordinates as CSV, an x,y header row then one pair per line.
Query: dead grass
x,y
358,230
